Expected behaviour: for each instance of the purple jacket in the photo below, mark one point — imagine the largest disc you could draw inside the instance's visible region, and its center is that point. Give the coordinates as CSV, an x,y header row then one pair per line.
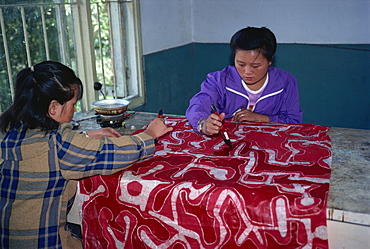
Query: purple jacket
x,y
279,100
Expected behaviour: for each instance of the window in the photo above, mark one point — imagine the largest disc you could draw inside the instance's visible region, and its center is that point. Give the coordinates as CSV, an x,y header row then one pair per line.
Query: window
x,y
99,39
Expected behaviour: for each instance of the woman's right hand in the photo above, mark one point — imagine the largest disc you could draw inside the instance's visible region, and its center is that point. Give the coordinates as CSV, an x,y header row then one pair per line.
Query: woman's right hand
x,y
157,128
213,124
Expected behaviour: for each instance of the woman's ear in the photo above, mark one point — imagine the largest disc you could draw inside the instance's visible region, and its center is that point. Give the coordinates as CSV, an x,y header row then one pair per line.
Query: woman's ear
x,y
53,108
270,62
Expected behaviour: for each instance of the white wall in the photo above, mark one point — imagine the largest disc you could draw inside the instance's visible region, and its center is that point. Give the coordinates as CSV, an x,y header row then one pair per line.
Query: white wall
x,y
172,23
165,24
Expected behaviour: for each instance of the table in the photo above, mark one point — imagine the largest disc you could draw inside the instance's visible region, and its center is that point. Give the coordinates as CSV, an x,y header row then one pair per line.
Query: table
x,y
285,199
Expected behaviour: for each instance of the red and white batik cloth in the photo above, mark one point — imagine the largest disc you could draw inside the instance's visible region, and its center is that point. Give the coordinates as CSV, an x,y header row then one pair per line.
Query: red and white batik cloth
x,y
269,191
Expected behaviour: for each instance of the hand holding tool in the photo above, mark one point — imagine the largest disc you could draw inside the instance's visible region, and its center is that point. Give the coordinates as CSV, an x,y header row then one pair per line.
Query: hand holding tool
x,y
160,115
223,132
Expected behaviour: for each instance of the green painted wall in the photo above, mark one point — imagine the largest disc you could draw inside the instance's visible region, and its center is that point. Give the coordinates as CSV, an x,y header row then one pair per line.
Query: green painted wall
x,y
334,81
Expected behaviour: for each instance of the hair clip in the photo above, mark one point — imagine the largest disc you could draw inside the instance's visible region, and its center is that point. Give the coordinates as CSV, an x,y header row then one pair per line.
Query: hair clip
x,y
32,68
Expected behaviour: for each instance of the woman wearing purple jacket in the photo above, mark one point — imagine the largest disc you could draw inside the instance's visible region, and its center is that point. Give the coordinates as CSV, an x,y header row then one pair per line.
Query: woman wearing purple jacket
x,y
252,90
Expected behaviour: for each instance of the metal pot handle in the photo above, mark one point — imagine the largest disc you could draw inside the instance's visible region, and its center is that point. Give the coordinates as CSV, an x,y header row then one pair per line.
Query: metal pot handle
x,y
98,87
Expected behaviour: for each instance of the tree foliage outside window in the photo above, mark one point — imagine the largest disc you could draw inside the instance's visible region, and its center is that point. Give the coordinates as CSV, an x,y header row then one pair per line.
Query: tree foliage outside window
x,y
102,42
16,41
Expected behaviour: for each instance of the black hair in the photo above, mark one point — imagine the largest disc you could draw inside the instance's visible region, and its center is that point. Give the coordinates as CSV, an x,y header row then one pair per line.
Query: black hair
x,y
35,87
252,38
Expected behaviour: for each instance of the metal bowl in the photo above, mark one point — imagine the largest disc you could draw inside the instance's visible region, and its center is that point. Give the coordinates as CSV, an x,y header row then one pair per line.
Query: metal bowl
x,y
110,106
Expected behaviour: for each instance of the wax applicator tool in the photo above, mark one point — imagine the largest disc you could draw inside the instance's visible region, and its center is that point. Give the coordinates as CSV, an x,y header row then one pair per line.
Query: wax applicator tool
x,y
223,132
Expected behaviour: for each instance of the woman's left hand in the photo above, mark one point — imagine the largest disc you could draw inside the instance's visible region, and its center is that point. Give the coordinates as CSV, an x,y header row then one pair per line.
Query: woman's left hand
x,y
103,132
246,115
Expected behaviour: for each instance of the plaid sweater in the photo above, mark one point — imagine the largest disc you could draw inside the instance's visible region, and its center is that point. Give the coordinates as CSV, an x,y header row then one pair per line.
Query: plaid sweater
x,y
37,178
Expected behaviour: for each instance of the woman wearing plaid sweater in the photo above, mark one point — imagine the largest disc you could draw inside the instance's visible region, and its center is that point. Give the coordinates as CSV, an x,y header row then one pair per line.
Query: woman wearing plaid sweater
x,y
41,157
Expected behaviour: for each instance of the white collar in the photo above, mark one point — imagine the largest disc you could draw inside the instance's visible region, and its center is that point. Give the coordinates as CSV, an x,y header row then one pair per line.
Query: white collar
x,y
259,90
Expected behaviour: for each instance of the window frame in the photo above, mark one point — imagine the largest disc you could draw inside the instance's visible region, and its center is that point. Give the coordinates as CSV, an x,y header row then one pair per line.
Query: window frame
x,y
128,67
126,48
